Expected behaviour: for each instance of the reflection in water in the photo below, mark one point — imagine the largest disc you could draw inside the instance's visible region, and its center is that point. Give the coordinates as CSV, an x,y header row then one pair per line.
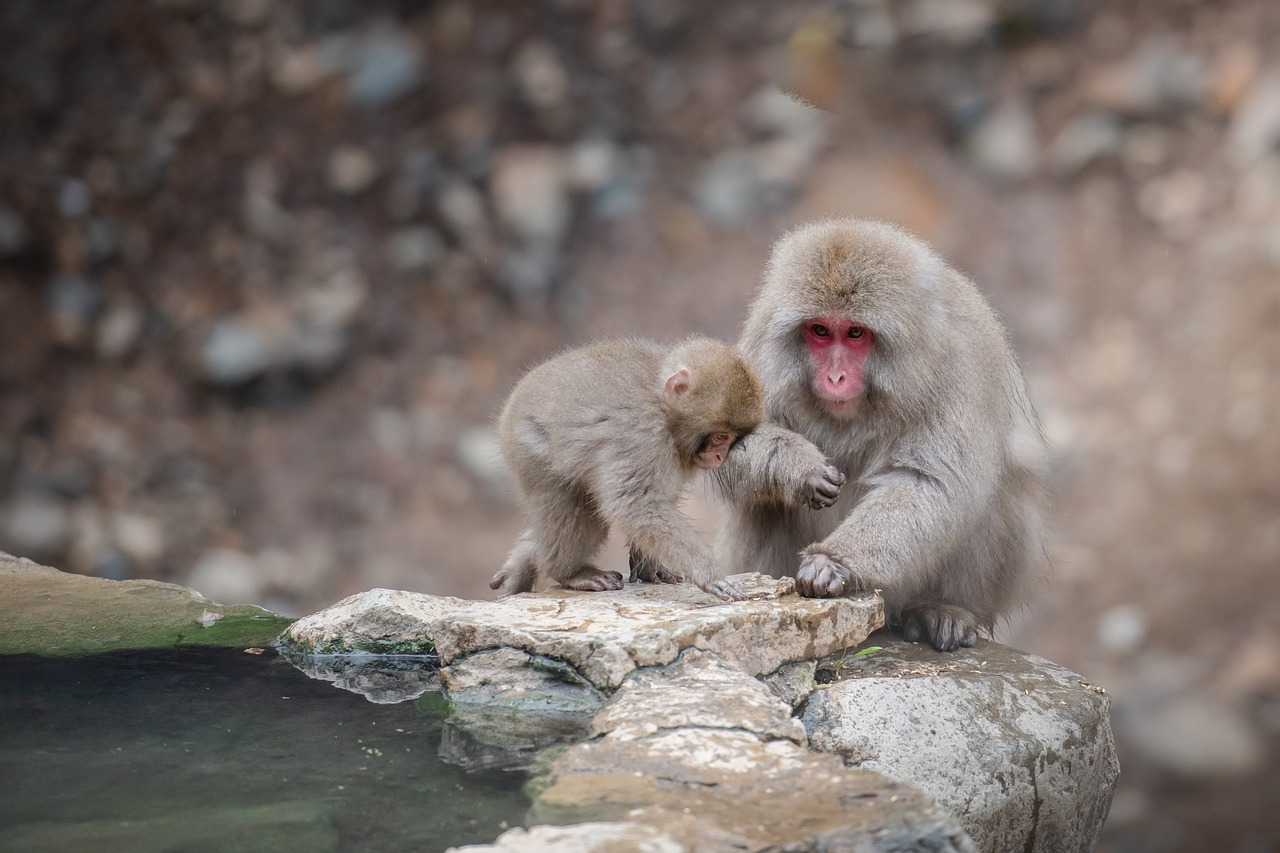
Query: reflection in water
x,y
220,750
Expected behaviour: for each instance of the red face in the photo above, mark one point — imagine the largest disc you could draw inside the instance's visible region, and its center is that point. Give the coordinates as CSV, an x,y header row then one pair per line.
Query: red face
x,y
839,348
716,448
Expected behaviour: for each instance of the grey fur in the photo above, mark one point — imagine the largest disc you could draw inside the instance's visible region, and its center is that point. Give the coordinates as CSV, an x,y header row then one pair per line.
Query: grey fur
x,y
944,456
594,443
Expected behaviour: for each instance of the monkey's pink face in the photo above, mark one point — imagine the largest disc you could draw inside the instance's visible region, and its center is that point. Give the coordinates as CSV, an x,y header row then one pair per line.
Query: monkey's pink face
x,y
839,348
714,450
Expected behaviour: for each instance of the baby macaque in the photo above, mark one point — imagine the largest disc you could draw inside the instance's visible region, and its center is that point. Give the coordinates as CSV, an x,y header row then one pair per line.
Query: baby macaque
x,y
609,435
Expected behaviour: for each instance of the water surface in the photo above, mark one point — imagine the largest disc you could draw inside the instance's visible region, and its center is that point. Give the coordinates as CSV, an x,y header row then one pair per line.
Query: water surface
x,y
219,750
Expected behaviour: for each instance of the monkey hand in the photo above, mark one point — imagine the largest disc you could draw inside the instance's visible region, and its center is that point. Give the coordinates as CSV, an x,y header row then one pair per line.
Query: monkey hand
x,y
722,590
822,486
823,576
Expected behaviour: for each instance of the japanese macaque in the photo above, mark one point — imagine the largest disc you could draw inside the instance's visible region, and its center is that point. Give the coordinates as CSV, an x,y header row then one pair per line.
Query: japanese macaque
x,y
883,365
608,436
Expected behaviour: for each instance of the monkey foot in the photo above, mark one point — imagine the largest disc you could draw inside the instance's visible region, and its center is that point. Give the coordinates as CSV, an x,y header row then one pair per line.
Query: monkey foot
x,y
944,626
591,579
649,570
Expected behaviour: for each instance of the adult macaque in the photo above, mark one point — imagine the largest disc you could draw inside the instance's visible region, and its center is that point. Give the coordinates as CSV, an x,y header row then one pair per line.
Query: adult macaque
x,y
896,375
609,435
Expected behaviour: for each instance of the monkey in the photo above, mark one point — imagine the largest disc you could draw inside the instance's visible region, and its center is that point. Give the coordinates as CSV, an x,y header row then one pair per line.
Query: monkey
x,y
608,436
890,382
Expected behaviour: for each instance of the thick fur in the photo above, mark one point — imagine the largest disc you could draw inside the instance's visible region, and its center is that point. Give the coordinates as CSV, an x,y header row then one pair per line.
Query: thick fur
x,y
594,442
944,456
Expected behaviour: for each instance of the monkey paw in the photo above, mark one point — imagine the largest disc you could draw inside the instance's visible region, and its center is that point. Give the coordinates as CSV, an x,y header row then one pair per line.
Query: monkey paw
x,y
649,570
723,590
591,579
822,576
508,581
944,626
822,487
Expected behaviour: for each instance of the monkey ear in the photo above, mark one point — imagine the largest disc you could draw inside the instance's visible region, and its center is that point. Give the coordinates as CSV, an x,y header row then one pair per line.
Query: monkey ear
x,y
676,385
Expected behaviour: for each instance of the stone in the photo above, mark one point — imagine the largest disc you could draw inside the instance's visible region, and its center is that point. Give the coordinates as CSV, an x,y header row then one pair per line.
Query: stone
x,y
52,613
792,682
13,232
1084,141
731,189
528,186
697,691
604,636
415,249
351,169
1017,748
75,303
1255,129
35,522
520,681
594,837
540,75
729,774
380,65
382,679
1003,143
235,352
1157,78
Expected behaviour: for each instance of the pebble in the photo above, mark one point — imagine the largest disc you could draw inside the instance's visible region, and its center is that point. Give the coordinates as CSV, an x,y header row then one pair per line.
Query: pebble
x,y
1003,144
528,187
13,232
414,249
731,189
74,305
540,75
351,169
381,65
118,331
1157,78
35,524
1255,129
234,352
1084,141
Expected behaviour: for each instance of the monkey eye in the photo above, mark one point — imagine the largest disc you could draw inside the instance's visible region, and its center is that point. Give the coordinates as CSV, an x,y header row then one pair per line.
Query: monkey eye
x,y
856,331
820,331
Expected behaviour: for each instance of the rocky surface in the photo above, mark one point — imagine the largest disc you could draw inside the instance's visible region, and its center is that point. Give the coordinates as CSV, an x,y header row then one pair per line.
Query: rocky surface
x,y
1017,748
698,755
48,612
603,636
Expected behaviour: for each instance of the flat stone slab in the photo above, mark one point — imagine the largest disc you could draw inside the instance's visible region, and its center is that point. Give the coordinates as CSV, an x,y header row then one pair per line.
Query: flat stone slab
x,y
604,636
53,613
1018,748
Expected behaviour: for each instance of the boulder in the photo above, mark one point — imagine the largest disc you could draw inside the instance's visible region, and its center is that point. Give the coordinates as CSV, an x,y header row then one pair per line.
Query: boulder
x,y
1017,748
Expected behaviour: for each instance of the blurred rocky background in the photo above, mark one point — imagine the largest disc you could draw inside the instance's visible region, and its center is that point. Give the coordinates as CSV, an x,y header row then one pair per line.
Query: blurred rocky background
x,y
269,267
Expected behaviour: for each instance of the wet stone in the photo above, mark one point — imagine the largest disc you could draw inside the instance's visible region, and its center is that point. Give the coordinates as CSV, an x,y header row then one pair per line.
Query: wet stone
x,y
604,636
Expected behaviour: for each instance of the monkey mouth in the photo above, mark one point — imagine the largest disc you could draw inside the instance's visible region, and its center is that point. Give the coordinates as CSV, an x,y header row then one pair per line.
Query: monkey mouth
x,y
841,406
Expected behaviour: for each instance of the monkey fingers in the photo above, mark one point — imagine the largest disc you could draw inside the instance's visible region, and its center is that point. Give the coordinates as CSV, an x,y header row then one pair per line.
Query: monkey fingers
x,y
824,487
723,590
822,576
